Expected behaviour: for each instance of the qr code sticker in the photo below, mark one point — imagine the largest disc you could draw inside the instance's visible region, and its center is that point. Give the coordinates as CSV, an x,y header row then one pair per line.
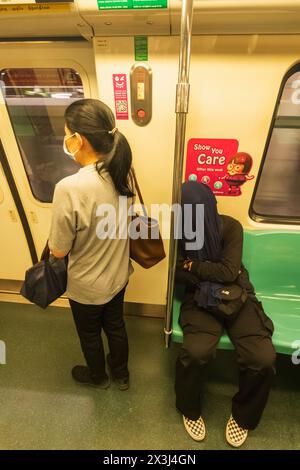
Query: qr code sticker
x,y
121,106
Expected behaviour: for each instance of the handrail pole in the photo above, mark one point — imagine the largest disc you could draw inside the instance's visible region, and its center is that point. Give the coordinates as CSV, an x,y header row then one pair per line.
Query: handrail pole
x,y
182,106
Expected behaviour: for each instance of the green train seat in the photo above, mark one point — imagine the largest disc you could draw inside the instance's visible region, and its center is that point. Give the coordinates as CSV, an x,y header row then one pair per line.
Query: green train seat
x,y
273,261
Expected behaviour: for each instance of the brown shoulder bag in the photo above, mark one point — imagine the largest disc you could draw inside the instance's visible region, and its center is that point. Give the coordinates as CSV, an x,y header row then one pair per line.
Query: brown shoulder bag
x,y
146,245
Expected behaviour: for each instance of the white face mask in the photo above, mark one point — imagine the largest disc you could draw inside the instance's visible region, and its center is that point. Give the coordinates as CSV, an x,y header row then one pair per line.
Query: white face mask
x,y
70,154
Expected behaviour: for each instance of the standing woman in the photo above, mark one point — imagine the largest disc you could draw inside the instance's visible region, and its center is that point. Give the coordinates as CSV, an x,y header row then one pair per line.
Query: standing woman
x,y
98,266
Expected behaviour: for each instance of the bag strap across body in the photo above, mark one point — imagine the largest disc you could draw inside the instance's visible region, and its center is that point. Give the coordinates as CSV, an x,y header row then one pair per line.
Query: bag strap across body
x,y
136,186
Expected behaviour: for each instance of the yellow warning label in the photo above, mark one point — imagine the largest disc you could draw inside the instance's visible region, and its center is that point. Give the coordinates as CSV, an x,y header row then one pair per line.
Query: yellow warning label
x,y
40,8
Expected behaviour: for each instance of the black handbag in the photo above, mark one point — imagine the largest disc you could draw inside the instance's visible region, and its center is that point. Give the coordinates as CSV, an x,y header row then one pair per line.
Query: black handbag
x,y
45,281
232,297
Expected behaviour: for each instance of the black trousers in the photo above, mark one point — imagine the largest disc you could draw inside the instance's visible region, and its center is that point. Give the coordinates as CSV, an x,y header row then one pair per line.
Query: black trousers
x,y
89,321
251,333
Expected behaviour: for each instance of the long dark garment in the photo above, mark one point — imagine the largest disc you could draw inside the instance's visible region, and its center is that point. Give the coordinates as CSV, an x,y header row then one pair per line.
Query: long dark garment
x,y
250,330
89,321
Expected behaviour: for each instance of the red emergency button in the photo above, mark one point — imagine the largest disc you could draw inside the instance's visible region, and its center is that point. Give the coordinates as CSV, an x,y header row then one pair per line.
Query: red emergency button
x,y
141,114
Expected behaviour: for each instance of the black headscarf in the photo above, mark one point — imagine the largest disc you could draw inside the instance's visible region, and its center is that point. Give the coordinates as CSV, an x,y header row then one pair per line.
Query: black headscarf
x,y
198,193
193,193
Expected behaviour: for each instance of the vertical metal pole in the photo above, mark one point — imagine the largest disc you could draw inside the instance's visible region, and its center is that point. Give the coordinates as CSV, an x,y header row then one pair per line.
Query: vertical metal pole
x,y
182,105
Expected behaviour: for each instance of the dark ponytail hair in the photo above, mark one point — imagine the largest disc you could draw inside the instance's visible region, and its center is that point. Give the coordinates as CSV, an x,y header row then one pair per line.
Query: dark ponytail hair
x,y
94,120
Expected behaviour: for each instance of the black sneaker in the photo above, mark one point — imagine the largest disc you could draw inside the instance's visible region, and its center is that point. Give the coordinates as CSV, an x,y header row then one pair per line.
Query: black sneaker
x,y
123,383
83,376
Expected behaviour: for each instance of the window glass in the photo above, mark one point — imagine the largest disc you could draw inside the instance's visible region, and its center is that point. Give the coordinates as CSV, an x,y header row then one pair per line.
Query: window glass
x,y
277,194
36,100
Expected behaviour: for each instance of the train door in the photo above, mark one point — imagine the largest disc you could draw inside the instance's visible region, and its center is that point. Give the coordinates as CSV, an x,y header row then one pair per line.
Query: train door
x,y
38,82
14,234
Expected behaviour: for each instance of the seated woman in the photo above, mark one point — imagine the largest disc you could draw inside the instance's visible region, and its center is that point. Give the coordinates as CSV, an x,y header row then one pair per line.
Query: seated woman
x,y
217,264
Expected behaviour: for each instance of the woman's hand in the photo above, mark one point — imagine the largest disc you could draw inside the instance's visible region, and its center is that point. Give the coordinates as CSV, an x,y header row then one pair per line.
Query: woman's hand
x,y
187,265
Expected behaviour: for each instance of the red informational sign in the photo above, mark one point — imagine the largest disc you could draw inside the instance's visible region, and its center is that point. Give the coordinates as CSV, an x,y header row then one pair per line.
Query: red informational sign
x,y
121,95
215,162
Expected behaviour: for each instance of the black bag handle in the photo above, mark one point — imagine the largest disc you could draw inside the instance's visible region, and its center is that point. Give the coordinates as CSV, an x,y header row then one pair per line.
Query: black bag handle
x,y
46,253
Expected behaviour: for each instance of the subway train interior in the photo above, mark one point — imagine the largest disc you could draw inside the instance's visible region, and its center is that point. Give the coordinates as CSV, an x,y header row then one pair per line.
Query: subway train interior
x,y
191,84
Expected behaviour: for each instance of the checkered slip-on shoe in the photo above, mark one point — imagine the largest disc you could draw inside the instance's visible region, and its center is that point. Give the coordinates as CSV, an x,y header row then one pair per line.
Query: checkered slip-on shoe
x,y
196,429
235,435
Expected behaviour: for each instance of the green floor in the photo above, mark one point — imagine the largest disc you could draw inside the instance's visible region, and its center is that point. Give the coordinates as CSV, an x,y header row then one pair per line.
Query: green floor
x,y
41,407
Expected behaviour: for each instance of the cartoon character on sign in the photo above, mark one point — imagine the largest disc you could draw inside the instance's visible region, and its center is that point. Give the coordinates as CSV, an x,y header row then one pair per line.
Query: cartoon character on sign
x,y
237,172
120,81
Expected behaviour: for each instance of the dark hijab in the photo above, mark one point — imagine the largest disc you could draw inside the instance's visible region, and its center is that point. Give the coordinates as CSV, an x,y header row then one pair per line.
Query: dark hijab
x,y
194,193
198,193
